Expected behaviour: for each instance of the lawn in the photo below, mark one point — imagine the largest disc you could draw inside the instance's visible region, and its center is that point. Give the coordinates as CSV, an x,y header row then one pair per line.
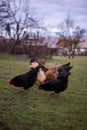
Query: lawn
x,y
35,109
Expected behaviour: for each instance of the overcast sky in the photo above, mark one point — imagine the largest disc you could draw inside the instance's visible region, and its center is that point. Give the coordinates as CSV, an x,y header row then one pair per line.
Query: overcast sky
x,y
55,11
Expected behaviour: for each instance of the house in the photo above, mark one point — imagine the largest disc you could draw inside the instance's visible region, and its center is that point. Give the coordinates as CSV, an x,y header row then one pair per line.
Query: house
x,y
82,48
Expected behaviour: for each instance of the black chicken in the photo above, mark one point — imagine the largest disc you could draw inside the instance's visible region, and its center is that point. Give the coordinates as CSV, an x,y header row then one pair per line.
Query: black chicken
x,y
26,80
60,83
57,85
64,68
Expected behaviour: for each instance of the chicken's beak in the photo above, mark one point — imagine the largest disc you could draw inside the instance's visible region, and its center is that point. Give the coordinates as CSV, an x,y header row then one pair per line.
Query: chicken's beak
x,y
10,82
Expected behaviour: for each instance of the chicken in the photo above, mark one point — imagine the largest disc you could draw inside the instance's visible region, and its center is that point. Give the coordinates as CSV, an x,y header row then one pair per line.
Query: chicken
x,y
44,73
26,80
41,77
54,79
57,85
33,62
33,65
55,71
63,69
56,82
51,73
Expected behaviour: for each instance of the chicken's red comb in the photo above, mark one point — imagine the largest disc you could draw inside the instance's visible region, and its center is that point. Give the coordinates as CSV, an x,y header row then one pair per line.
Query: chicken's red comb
x,y
42,82
9,81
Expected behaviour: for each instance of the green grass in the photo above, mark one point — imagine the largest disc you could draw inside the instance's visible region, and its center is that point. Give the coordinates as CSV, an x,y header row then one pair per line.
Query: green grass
x,y
35,109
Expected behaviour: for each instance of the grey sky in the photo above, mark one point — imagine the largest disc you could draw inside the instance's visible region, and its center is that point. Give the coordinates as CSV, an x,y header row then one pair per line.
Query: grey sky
x,y
55,11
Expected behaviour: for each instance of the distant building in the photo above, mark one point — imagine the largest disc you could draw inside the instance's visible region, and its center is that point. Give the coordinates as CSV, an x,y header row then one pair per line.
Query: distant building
x,y
82,48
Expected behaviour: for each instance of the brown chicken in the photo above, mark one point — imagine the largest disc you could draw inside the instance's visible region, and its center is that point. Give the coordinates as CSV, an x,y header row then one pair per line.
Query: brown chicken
x,y
51,73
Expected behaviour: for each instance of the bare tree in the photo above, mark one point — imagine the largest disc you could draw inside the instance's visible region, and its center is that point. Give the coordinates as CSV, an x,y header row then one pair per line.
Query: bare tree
x,y
3,15
70,35
17,18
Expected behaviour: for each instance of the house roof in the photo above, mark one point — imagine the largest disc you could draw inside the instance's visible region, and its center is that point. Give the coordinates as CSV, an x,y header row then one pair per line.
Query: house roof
x,y
82,45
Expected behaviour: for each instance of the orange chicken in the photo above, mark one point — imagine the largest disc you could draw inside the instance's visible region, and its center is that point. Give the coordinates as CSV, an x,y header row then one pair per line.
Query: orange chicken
x,y
51,73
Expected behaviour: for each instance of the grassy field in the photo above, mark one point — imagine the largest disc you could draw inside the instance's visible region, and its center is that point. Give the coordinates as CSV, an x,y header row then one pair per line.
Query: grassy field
x,y
35,109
